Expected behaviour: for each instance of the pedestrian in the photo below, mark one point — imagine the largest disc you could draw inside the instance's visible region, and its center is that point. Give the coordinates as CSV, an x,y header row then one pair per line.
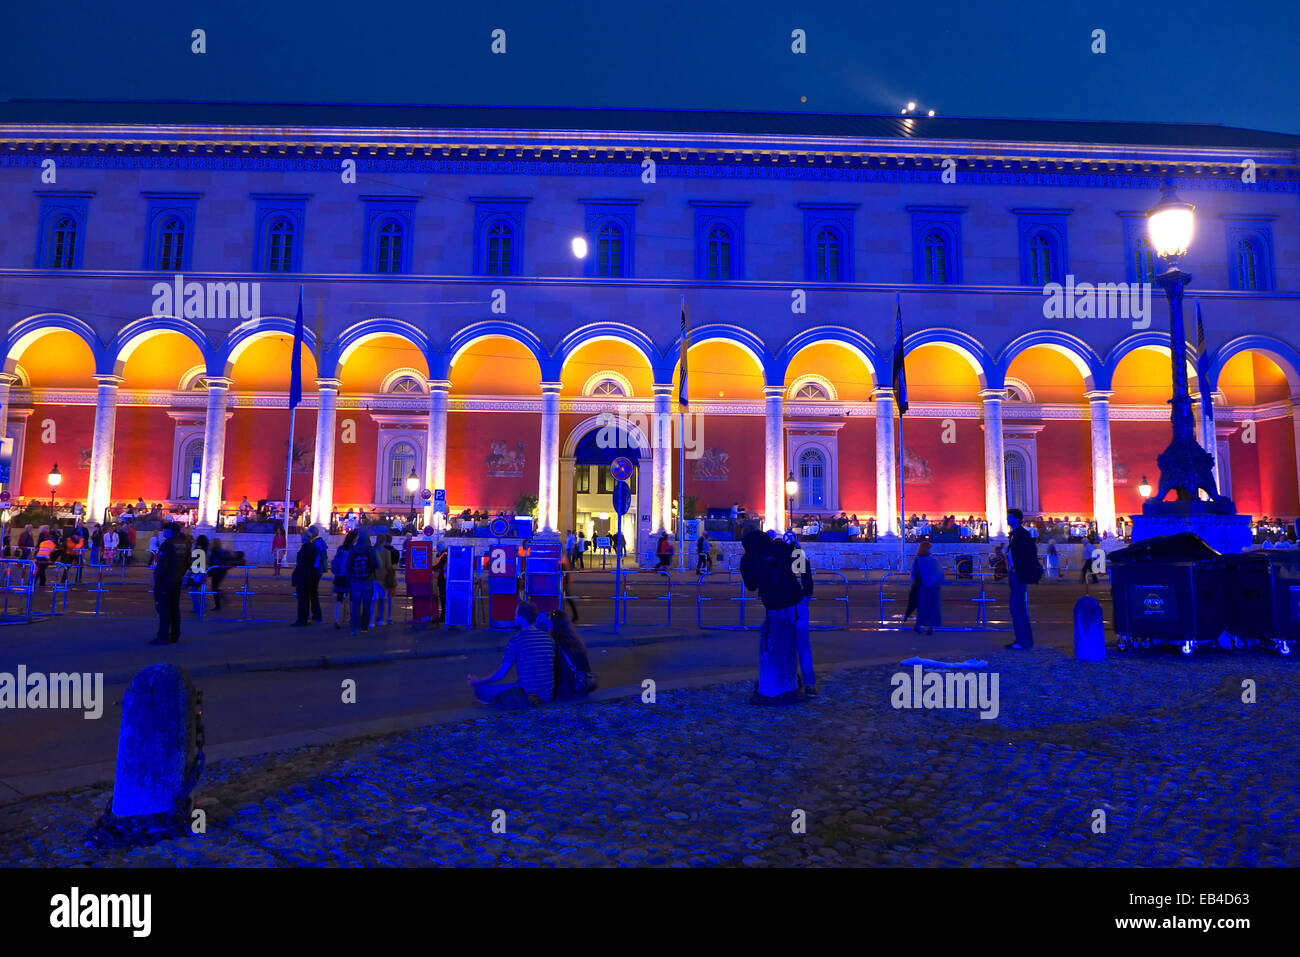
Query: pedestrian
x,y
1086,569
27,543
573,675
1053,561
112,541
570,543
383,564
440,579
305,580
168,573
218,568
531,653
361,570
703,558
390,580
45,548
998,562
279,549
581,548
767,567
339,566
198,575
927,577
803,621
1025,571
155,541
665,552
96,544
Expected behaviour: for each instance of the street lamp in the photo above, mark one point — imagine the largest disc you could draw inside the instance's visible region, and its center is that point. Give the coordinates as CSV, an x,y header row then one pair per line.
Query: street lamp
x,y
412,483
579,246
791,490
1144,488
55,478
1185,467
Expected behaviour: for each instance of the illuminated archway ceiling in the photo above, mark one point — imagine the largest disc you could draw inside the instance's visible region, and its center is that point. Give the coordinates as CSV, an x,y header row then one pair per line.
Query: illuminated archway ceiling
x,y
721,370
61,360
937,373
1143,378
607,354
372,361
159,362
265,366
1249,378
846,370
1050,375
496,366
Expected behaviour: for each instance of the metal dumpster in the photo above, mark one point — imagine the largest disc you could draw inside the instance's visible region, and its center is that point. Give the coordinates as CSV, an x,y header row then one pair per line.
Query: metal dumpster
x,y
1262,597
1168,591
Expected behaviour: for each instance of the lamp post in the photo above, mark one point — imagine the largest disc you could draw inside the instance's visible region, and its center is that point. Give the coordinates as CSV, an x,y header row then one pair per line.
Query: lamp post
x,y
1144,488
55,478
791,490
1185,467
412,483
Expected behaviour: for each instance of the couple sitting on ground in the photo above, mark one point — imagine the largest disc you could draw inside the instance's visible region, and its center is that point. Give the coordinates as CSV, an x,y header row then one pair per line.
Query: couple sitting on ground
x,y
549,659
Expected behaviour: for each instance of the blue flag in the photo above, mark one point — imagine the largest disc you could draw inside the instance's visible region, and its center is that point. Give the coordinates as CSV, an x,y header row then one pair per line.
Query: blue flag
x,y
295,376
900,373
1203,365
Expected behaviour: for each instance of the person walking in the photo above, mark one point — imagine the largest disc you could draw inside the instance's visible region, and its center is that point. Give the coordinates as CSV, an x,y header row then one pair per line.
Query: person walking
x,y
581,547
339,566
570,543
383,562
304,579
703,557
45,547
168,574
440,579
361,570
767,567
279,549
1025,571
218,568
320,565
112,541
664,550
998,562
928,581
27,543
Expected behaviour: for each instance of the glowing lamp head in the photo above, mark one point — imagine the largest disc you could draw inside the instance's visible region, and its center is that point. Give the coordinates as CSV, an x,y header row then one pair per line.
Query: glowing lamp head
x,y
1169,224
579,245
412,482
1144,488
791,486
911,105
55,476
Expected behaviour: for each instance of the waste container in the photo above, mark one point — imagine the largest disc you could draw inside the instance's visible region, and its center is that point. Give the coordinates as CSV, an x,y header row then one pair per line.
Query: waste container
x,y
1168,591
1262,598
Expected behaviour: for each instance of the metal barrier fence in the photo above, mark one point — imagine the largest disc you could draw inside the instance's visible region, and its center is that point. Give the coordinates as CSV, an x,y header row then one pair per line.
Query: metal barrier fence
x,y
19,581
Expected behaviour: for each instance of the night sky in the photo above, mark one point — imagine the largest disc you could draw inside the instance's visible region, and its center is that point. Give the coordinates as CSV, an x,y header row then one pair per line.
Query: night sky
x,y
1200,61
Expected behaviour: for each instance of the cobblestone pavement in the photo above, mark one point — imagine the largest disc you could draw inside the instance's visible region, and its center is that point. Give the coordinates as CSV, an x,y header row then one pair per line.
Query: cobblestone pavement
x,y
1186,772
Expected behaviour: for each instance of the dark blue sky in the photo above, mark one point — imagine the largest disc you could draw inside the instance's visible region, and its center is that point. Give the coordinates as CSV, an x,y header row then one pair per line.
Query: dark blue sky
x,y
1201,61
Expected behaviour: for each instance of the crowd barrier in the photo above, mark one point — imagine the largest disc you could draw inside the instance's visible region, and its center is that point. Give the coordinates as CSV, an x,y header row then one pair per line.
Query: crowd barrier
x,y
19,583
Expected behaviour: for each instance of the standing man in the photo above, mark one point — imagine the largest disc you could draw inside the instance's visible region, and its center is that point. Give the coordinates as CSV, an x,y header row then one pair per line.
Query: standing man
x,y
570,543
1025,571
169,568
304,579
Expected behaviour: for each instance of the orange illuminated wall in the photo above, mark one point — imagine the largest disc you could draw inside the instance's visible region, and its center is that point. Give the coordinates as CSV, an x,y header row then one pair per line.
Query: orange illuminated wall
x,y
604,355
846,371
741,439
721,369
266,365
1065,467
257,450
1134,447
59,360
157,363
366,368
354,462
939,374
1049,374
1252,379
142,454
496,366
473,438
954,483
74,428
857,466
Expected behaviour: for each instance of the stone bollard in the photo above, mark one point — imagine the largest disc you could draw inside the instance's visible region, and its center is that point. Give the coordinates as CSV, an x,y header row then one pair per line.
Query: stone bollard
x,y
1089,630
159,759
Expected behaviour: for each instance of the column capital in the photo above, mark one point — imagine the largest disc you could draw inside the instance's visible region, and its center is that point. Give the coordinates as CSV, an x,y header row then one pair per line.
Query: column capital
x,y
882,393
110,380
1099,395
438,385
551,388
774,392
328,384
215,382
8,379
993,395
662,388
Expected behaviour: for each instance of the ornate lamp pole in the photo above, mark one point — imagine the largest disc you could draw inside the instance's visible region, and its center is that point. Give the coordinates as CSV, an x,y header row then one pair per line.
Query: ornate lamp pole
x,y
1185,467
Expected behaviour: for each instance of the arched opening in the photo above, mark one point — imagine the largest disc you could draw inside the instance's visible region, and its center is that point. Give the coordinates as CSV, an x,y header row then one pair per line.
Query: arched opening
x,y
1257,436
586,501
1053,452
593,358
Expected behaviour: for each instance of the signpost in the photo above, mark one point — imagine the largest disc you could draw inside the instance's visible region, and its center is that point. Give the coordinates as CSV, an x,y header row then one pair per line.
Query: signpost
x,y
622,501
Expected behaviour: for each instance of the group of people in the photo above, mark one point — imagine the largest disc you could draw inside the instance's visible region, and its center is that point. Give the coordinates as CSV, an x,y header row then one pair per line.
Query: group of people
x,y
364,578
74,545
548,658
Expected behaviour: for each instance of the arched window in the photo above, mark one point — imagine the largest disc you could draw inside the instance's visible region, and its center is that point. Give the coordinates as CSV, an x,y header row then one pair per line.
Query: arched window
x,y
171,246
934,255
812,390
1042,259
608,387
388,247
405,384
826,253
500,249
812,479
1017,477
609,251
280,246
1144,259
192,468
1248,260
63,243
717,253
401,462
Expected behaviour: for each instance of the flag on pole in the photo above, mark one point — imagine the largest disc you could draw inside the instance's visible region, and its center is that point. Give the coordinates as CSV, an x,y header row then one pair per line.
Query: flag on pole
x,y
1203,366
900,374
683,395
295,375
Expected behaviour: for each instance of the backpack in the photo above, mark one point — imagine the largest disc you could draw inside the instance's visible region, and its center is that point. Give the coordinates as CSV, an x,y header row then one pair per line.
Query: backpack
x,y
362,566
339,566
571,683
318,566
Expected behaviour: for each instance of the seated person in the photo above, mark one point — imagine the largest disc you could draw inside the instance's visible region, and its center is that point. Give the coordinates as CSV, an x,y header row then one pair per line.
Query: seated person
x,y
573,667
532,654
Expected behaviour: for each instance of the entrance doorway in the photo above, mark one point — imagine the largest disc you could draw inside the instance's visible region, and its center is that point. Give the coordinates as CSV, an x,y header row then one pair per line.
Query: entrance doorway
x,y
588,505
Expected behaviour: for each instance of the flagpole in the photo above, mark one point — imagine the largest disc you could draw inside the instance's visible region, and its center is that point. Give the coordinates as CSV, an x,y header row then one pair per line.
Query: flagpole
x,y
288,475
902,498
295,375
681,495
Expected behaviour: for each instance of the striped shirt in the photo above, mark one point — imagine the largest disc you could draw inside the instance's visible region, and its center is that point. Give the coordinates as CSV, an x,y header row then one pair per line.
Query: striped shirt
x,y
532,653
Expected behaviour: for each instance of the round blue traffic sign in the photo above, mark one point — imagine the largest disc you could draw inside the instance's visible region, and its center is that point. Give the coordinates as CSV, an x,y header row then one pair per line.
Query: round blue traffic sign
x,y
622,498
621,468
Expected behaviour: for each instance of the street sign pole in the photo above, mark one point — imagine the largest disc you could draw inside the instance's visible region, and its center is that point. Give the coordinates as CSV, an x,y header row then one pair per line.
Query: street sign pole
x,y
618,568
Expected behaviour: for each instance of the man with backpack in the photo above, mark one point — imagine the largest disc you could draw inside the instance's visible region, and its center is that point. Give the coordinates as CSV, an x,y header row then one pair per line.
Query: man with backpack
x,y
1025,571
339,568
361,570
169,569
768,567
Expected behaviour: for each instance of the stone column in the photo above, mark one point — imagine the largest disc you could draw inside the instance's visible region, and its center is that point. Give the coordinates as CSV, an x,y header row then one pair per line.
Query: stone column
x,y
886,465
661,478
995,469
548,460
101,448
1103,478
774,458
322,473
214,451
435,446
7,380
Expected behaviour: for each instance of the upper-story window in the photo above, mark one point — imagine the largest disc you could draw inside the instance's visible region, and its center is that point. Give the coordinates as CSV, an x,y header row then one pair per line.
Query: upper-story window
x,y
389,242
405,384
1144,259
171,231
935,252
280,246
812,390
608,387
717,257
827,262
936,243
500,249
609,251
719,239
1250,252
62,231
1043,256
280,222
828,241
1248,264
